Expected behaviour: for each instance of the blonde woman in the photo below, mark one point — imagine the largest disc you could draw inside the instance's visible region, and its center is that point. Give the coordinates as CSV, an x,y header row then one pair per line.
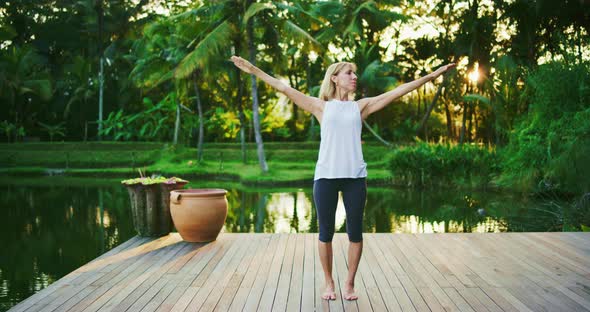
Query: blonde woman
x,y
340,166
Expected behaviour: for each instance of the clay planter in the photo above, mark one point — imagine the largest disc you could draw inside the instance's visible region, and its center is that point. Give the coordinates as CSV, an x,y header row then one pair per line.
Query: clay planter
x,y
198,214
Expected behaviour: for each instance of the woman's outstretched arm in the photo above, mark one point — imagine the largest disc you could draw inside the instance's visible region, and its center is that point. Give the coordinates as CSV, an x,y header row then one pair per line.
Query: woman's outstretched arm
x,y
373,104
307,103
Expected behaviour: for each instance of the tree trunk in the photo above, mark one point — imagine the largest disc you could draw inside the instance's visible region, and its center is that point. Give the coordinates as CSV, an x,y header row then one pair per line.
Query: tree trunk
x,y
292,123
465,112
100,93
177,122
376,134
312,118
241,116
255,115
429,110
450,125
200,111
99,11
470,123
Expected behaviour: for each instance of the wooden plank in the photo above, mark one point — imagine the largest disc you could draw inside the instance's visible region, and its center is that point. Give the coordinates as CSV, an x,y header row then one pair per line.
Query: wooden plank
x,y
257,268
473,296
77,276
120,291
185,275
194,270
430,272
142,294
403,272
131,267
79,287
282,292
373,262
363,302
520,306
338,304
579,240
216,284
294,302
429,289
271,285
160,297
565,248
211,290
447,251
308,291
565,256
552,277
461,304
269,272
138,303
205,268
402,298
63,295
341,267
373,294
485,300
229,293
320,304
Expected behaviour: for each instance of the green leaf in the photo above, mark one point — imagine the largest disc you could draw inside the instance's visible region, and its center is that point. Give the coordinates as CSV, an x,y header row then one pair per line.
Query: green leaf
x,y
476,97
254,9
296,32
41,87
211,45
7,32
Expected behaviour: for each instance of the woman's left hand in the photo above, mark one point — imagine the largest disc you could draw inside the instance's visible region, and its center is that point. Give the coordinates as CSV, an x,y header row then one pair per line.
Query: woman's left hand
x,y
443,69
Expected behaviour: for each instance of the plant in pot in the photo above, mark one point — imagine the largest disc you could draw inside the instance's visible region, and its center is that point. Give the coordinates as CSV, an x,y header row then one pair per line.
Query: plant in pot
x,y
150,203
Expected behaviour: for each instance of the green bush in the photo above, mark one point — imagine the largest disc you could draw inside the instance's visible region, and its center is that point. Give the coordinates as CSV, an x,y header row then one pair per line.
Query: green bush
x,y
438,165
550,147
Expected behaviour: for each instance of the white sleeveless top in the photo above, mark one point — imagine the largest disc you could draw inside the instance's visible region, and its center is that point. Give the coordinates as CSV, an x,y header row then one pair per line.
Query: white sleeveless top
x,y
341,155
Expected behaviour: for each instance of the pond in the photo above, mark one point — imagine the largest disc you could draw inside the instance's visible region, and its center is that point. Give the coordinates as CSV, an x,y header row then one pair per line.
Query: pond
x,y
49,231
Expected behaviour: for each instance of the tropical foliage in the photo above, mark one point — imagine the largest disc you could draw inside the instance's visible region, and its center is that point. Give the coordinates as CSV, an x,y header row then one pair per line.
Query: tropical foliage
x,y
165,74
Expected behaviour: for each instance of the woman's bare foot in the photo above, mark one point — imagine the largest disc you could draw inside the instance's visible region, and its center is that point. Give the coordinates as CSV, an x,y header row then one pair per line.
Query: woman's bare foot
x,y
349,293
329,294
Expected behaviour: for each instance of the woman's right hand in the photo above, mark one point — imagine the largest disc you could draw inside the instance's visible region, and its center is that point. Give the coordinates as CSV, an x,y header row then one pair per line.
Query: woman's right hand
x,y
242,64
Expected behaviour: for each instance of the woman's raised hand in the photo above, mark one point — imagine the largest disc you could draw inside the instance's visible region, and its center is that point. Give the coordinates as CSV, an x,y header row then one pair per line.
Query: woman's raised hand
x,y
443,69
242,64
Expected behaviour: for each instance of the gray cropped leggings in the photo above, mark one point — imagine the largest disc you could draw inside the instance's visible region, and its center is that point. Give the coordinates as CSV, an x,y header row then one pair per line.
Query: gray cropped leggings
x,y
354,195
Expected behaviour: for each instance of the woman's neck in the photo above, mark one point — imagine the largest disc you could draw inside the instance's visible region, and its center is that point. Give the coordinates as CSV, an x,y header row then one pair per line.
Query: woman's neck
x,y
341,95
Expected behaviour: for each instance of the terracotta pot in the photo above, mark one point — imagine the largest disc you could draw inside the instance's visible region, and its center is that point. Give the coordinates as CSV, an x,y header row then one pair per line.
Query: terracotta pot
x,y
198,214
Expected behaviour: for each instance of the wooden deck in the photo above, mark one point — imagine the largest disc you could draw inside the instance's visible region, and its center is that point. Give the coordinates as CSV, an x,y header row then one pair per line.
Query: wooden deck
x,y
281,272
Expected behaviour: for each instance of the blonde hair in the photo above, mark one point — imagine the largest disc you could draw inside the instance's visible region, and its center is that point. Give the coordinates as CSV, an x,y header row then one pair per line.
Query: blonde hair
x,y
328,87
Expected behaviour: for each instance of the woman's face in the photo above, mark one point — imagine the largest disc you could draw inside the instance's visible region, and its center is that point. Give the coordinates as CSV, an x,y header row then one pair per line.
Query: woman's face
x,y
345,79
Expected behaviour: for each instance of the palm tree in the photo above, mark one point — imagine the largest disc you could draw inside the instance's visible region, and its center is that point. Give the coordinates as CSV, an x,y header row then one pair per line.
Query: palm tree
x,y
22,76
227,22
357,25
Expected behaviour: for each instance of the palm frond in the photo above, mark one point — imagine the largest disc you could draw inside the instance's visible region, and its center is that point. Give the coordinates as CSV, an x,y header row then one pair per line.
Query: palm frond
x,y
210,45
7,32
296,32
254,9
474,97
41,87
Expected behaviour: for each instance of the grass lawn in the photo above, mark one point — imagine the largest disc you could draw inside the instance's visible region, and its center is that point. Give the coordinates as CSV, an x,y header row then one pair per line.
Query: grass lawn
x,y
289,163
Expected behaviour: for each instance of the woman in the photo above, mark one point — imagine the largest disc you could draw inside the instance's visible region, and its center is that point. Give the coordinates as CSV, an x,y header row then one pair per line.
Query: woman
x,y
340,165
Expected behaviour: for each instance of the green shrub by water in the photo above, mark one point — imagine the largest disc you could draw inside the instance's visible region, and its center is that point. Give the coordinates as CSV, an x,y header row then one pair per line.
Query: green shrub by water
x,y
550,148
443,165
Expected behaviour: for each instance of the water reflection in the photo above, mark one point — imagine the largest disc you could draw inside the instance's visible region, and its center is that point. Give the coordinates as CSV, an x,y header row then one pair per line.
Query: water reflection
x,y
397,211
50,231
